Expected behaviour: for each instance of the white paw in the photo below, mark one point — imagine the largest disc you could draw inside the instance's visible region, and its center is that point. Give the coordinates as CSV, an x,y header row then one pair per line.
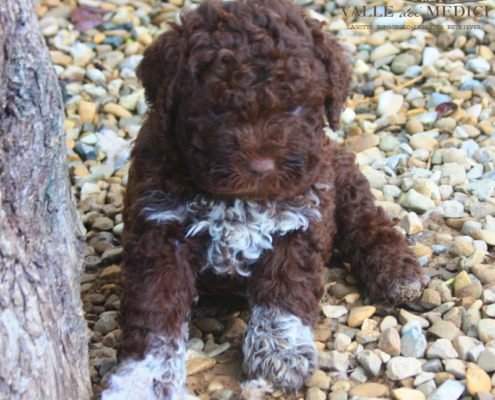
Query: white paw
x,y
279,349
160,376
255,389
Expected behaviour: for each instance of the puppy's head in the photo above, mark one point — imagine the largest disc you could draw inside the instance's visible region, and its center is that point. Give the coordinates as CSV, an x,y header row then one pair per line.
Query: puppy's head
x,y
243,87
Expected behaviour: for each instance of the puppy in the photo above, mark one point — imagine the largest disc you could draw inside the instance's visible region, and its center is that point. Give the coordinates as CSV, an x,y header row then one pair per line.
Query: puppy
x,y
235,183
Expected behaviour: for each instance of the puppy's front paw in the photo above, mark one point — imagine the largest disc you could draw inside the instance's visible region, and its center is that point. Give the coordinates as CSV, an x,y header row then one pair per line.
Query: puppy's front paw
x,y
279,350
406,289
255,389
394,277
149,379
161,375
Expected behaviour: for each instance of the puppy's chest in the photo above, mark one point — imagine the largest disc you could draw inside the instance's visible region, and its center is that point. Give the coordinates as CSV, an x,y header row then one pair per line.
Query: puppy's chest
x,y
238,233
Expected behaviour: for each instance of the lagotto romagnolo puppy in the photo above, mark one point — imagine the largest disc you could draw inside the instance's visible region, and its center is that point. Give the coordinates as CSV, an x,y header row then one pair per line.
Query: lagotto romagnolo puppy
x,y
234,182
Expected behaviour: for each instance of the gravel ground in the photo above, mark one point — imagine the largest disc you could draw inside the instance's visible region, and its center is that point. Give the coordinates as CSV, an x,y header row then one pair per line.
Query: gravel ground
x,y
420,119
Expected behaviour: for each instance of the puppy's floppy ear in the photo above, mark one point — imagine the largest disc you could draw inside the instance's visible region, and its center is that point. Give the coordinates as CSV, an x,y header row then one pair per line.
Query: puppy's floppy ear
x,y
338,70
157,70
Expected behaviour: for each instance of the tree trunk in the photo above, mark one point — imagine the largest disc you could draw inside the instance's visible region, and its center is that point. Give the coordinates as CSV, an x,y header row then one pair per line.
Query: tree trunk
x,y
43,335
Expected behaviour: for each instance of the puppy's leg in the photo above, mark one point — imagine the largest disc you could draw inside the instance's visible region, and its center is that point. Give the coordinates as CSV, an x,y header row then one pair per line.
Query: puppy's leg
x,y
279,351
377,252
158,292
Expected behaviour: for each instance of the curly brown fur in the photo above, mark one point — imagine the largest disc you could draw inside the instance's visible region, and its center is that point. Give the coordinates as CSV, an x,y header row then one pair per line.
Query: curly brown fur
x,y
233,162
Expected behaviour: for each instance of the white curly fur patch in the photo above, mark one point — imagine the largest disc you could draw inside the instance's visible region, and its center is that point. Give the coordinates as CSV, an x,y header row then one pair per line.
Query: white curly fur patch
x,y
163,369
241,231
407,290
278,349
255,389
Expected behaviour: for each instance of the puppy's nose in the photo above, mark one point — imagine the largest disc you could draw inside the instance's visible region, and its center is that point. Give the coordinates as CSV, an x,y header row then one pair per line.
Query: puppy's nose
x,y
261,166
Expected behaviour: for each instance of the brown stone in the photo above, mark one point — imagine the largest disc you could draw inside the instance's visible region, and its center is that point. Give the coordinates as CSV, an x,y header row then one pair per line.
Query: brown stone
x,y
477,380
369,390
111,272
87,110
359,314
199,365
362,142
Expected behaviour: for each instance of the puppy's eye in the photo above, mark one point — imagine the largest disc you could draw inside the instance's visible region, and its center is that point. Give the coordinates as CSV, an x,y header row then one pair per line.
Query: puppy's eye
x,y
296,111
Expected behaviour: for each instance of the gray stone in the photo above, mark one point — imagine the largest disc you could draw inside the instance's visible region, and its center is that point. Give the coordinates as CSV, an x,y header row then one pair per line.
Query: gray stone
x,y
427,388
427,119
106,364
481,210
456,368
319,380
470,227
376,179
462,344
402,62
383,51
105,324
417,202
453,174
446,125
335,361
341,341
485,154
331,311
86,151
96,76
486,361
359,375
450,390
470,84
489,223
488,296
443,329
389,143
475,353
339,395
482,189
470,147
141,106
436,99
434,365
439,249
476,172
390,342
406,316
486,330
413,342
430,55
393,191
453,209
413,72
364,337
315,394
399,368
220,349
478,65
442,349
195,343
485,274
370,361
423,377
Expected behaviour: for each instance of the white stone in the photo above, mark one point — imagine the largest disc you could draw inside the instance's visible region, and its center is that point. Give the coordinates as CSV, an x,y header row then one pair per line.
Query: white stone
x,y
389,103
430,55
399,368
331,311
411,223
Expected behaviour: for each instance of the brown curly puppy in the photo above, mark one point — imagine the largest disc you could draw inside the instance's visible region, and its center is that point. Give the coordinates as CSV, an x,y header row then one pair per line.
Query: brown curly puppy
x,y
233,180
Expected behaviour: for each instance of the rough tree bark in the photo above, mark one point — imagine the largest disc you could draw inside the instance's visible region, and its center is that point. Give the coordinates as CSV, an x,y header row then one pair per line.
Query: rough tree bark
x,y
43,336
